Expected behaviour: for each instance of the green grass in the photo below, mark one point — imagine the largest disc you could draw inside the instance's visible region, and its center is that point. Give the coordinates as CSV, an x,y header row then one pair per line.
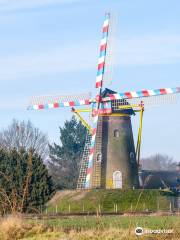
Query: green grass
x,y
126,200
86,223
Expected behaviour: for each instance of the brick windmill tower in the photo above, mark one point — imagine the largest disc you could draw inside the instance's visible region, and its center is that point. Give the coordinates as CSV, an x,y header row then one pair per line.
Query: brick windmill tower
x,y
110,159
114,159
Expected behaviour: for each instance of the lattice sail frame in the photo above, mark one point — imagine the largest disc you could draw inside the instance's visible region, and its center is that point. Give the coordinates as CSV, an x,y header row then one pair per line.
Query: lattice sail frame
x,y
150,97
142,93
148,101
56,101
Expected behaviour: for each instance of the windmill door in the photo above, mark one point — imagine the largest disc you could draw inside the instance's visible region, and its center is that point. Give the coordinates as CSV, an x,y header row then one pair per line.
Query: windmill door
x,y
117,179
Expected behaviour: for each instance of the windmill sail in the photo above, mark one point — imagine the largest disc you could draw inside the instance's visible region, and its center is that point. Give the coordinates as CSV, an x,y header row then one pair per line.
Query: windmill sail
x,y
142,93
56,101
153,97
103,50
84,163
155,101
99,84
111,52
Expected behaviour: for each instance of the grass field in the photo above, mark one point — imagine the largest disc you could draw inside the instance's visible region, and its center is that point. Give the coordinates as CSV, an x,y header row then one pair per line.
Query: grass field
x,y
88,228
107,200
105,222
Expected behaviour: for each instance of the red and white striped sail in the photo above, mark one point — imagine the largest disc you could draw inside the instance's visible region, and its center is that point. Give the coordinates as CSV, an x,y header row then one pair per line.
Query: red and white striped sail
x,y
99,84
102,55
57,101
142,93
45,102
111,51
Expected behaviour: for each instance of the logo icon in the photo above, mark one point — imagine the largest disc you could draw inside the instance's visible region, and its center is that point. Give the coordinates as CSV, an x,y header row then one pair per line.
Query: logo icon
x,y
138,231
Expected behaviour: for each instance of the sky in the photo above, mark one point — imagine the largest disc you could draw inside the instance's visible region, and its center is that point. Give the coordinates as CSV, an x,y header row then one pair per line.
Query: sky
x,y
52,47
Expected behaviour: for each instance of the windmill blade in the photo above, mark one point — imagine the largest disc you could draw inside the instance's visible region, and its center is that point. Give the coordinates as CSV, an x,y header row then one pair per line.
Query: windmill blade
x,y
152,101
111,51
56,101
143,95
155,101
102,55
99,84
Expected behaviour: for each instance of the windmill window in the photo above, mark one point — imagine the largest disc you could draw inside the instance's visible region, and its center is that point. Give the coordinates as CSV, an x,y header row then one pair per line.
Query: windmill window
x,y
116,133
132,157
99,157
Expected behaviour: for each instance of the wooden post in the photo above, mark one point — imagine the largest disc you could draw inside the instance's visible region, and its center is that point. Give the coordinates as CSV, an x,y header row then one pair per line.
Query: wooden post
x,y
116,208
36,220
131,207
144,206
97,213
69,208
157,204
99,208
83,207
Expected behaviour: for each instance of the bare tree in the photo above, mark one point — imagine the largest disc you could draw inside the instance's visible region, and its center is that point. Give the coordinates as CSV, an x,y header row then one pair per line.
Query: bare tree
x,y
24,135
159,162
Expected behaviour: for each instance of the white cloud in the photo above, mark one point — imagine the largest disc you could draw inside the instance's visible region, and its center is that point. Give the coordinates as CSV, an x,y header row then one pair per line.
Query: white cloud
x,y
136,51
11,5
150,49
60,60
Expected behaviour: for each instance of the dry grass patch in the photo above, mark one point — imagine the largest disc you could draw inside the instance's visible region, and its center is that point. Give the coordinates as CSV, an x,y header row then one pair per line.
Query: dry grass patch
x,y
12,227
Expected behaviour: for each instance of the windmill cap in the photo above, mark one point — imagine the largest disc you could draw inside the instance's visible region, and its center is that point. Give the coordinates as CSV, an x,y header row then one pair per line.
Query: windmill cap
x,y
129,111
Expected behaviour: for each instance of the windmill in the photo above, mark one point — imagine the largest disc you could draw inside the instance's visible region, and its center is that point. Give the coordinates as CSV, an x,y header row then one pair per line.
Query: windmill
x,y
110,159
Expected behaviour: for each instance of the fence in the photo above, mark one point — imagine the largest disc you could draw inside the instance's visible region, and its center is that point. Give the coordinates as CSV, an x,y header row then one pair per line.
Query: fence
x,y
169,204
